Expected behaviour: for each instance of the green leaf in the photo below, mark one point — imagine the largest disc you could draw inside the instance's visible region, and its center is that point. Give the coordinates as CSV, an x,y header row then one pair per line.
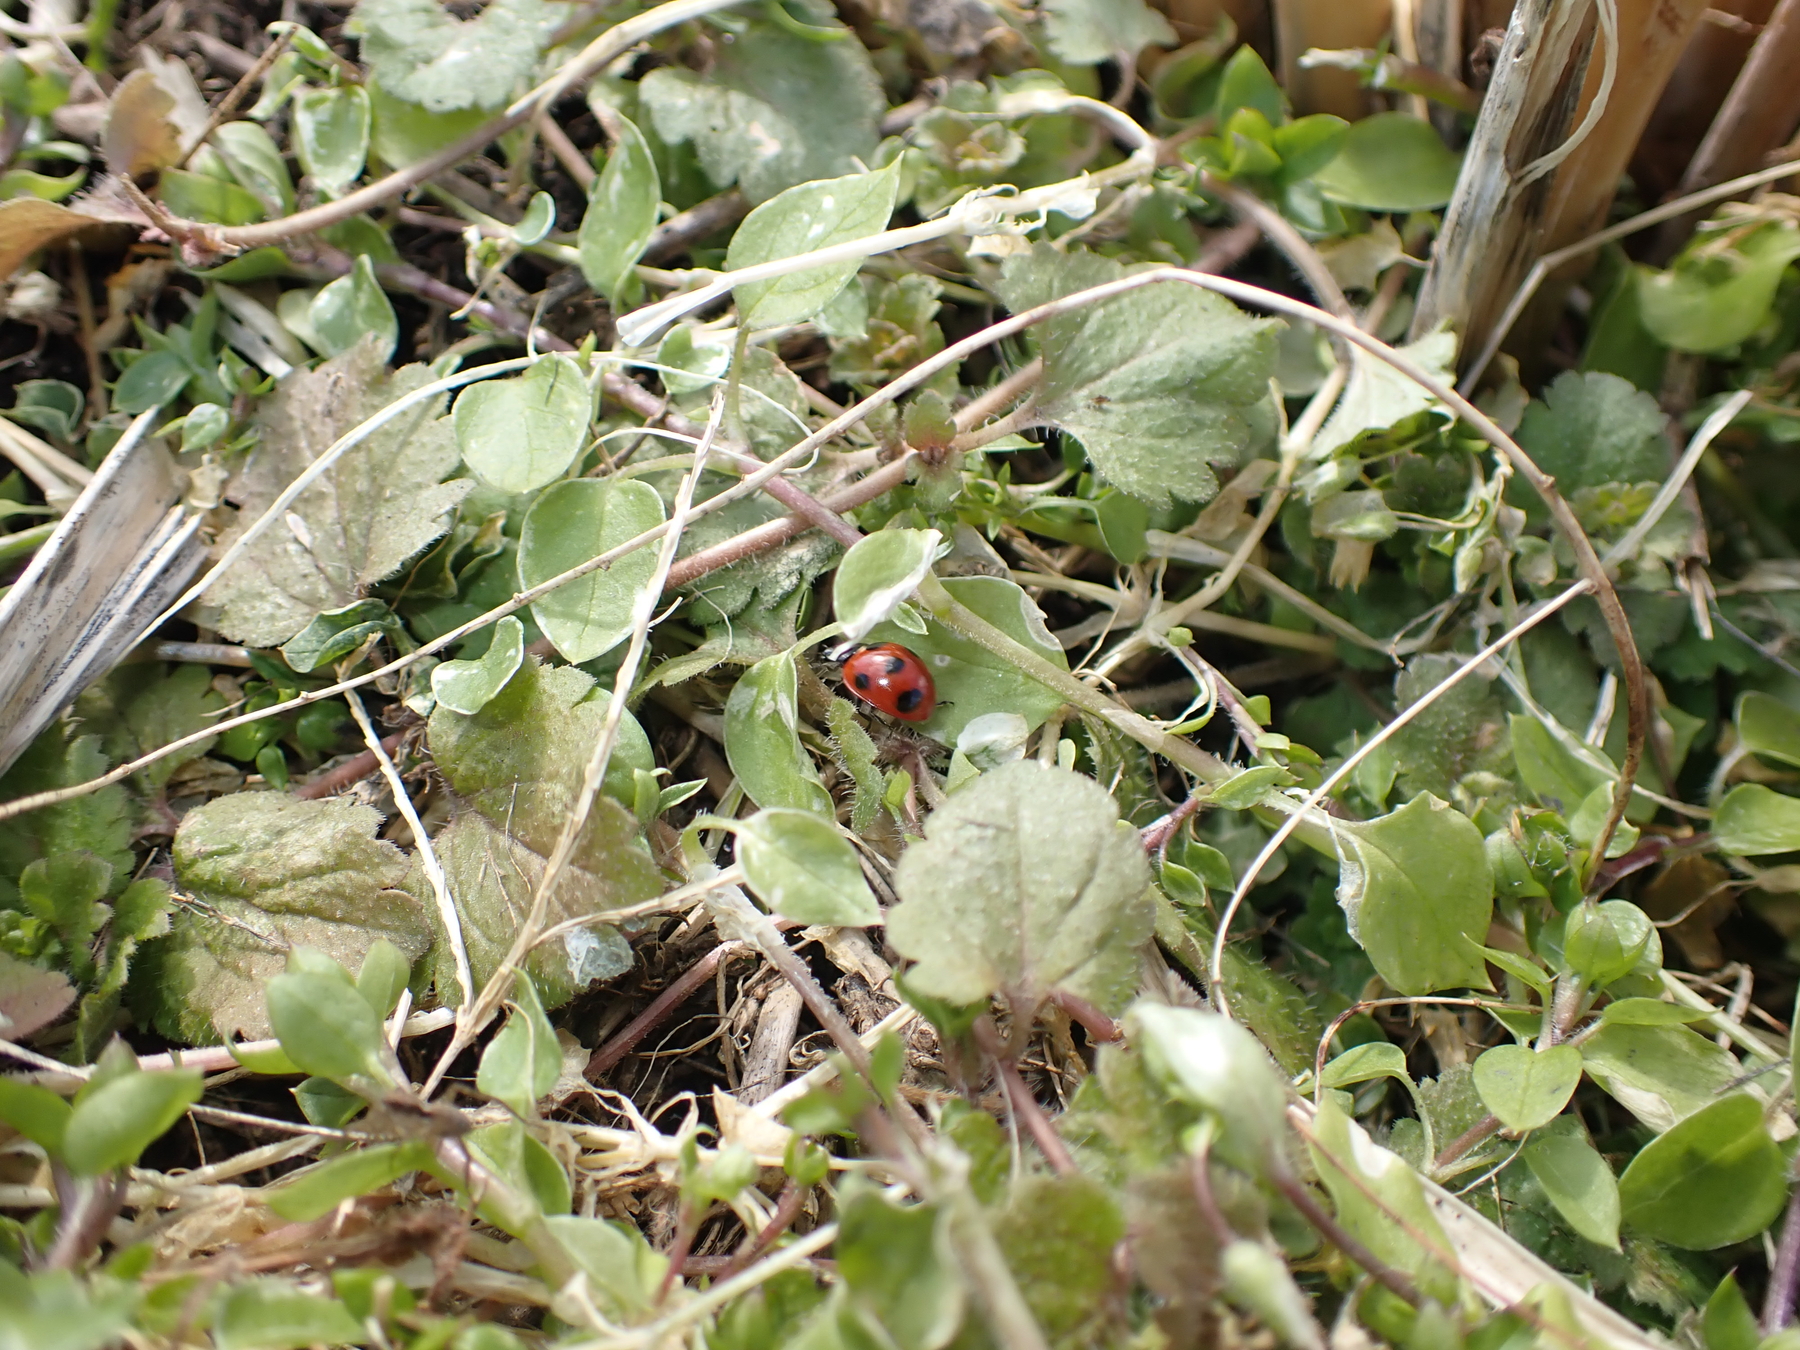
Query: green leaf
x,y
115,1122
317,1191
971,681
1660,1074
569,524
523,433
1525,1088
521,1160
1246,789
1648,1012
1768,727
776,109
1754,820
1377,398
1605,942
405,132
268,1314
334,634
1258,1281
1029,885
264,873
1591,429
1579,1184
466,686
522,1062
762,739
519,764
1417,890
384,975
61,891
256,162
1380,1201
623,1270
1715,1179
353,310
1361,1063
1209,1061
803,869
1087,32
326,1031
101,823
37,1113
421,53
1720,290
196,196
1158,385
878,573
1728,1323
622,209
805,218
901,1269
1391,162
375,508
1247,83
151,381
331,135
1057,1233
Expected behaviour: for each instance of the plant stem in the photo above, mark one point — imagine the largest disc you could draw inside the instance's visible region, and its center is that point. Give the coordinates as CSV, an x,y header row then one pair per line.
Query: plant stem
x,y
606,1056
1333,1232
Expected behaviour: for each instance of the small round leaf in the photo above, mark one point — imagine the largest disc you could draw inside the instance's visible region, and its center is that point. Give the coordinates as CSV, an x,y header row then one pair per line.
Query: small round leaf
x,y
804,869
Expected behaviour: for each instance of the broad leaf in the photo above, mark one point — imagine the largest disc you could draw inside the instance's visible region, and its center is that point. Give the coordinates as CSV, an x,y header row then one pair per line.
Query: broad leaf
x,y
878,573
1591,429
1768,727
1391,162
466,686
116,1121
622,209
1720,290
519,764
325,1030
776,109
353,310
1209,1061
1754,820
901,1269
1087,32
1057,1234
1361,1063
331,135
521,1063
1715,1179
1525,1088
805,218
422,54
262,874
762,739
1158,385
1377,397
269,1314
522,433
318,1190
378,505
1660,1074
1579,1184
1417,890
569,524
1031,884
30,997
803,869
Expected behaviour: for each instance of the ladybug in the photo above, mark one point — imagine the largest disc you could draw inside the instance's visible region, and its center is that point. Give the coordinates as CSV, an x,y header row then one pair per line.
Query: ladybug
x,y
893,679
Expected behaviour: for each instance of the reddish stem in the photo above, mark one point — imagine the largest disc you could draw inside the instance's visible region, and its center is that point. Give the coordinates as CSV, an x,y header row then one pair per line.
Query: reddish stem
x,y
606,1056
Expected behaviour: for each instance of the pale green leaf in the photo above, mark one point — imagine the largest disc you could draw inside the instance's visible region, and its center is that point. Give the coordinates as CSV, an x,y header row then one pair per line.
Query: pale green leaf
x,y
803,869
1087,32
878,573
523,433
762,739
353,310
803,219
422,53
466,686
1391,162
521,1063
331,135
1579,1184
1715,1179
1525,1088
569,524
622,208
1753,820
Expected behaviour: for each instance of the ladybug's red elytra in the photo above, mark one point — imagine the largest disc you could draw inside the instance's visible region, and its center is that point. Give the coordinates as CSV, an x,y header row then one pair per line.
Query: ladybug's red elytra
x,y
893,679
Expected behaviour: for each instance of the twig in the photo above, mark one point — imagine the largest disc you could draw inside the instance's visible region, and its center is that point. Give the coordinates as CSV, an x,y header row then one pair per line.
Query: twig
x,y
235,96
1485,1128
788,1208
1019,1096
1778,1302
606,1056
1333,1232
679,233
352,770
574,163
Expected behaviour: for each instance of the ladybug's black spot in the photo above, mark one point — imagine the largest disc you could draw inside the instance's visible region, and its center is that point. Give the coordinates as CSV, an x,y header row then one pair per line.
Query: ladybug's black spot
x,y
909,699
860,680
895,665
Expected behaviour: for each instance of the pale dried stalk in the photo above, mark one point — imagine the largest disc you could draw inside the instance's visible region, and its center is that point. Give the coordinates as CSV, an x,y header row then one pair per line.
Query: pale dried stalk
x,y
428,859
1762,108
643,612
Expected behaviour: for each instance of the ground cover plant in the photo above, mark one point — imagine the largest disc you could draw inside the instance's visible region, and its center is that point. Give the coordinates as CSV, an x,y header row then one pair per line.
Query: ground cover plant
x,y
920,675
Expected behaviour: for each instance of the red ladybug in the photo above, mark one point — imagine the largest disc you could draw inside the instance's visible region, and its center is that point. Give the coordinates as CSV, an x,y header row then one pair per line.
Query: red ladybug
x,y
893,679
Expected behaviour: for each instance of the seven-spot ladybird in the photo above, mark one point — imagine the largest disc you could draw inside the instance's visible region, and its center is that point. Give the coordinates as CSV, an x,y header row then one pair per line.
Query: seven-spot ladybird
x,y
892,679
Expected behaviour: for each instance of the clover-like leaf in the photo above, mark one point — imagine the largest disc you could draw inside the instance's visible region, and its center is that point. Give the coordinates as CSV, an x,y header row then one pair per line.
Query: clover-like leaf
x,y
522,434
466,686
569,524
1029,885
1527,1088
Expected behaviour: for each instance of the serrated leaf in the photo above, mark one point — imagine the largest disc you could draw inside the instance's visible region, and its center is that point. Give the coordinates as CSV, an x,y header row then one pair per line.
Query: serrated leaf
x,y
776,109
466,686
622,209
1417,890
807,217
99,823
420,53
1527,1088
521,434
264,873
1591,429
803,869
1714,1179
1158,385
1579,1184
1087,32
971,681
382,502
569,524
518,763
1030,885
762,739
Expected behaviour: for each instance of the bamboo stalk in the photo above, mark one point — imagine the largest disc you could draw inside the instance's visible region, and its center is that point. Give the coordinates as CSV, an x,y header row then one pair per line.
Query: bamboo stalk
x,y
1695,93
